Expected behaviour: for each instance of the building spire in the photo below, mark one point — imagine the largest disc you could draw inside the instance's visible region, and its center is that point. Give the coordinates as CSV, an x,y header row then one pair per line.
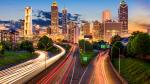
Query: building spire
x,y
54,3
123,2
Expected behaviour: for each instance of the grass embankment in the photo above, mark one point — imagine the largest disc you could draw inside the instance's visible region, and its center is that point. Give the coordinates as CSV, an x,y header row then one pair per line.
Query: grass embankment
x,y
134,71
86,57
15,57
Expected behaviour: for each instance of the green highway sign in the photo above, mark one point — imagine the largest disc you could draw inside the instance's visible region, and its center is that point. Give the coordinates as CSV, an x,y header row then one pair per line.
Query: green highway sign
x,y
103,46
85,59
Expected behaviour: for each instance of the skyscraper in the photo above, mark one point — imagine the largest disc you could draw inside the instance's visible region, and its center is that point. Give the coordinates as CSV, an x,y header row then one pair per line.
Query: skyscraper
x,y
28,22
111,28
54,18
106,15
86,28
123,16
72,32
64,21
96,30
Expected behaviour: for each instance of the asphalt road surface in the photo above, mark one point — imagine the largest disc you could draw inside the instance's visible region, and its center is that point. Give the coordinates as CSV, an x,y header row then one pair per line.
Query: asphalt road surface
x,y
103,72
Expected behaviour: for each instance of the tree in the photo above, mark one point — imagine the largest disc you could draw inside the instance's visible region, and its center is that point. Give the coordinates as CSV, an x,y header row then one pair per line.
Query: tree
x,y
85,45
1,49
117,48
134,34
27,45
7,45
45,43
129,50
130,45
115,39
141,44
95,45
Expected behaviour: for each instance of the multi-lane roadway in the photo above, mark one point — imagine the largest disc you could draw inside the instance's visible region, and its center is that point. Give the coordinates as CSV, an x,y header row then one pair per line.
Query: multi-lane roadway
x,y
103,71
67,70
21,73
70,71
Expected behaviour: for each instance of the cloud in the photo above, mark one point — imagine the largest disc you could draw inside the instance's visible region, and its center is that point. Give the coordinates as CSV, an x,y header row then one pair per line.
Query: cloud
x,y
41,14
43,18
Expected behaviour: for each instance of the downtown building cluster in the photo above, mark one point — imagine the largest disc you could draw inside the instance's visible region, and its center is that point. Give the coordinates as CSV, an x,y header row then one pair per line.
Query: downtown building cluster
x,y
67,31
107,28
70,30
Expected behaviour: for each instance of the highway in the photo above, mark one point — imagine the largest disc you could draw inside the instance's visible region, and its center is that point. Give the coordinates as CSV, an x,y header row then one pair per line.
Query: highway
x,y
21,73
103,71
67,71
59,73
77,70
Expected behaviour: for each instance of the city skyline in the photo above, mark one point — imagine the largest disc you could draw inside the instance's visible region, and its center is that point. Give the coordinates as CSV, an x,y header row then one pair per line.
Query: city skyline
x,y
75,42
17,7
99,5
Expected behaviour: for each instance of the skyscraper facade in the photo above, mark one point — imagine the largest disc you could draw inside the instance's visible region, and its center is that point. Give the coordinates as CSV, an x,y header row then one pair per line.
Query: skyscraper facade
x,y
86,28
28,23
54,18
72,32
111,28
123,16
106,15
64,21
96,30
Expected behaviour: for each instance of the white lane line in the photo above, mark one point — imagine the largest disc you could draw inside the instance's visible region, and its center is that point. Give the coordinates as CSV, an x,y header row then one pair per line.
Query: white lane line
x,y
83,75
73,71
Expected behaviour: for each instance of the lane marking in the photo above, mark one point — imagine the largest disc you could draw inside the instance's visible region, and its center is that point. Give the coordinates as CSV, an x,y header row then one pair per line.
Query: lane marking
x,y
73,71
83,75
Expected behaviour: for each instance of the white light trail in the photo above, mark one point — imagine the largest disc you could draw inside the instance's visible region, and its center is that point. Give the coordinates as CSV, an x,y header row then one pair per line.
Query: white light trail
x,y
23,72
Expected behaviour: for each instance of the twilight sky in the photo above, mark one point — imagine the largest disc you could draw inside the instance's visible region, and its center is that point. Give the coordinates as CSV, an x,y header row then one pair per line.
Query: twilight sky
x,y
139,15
